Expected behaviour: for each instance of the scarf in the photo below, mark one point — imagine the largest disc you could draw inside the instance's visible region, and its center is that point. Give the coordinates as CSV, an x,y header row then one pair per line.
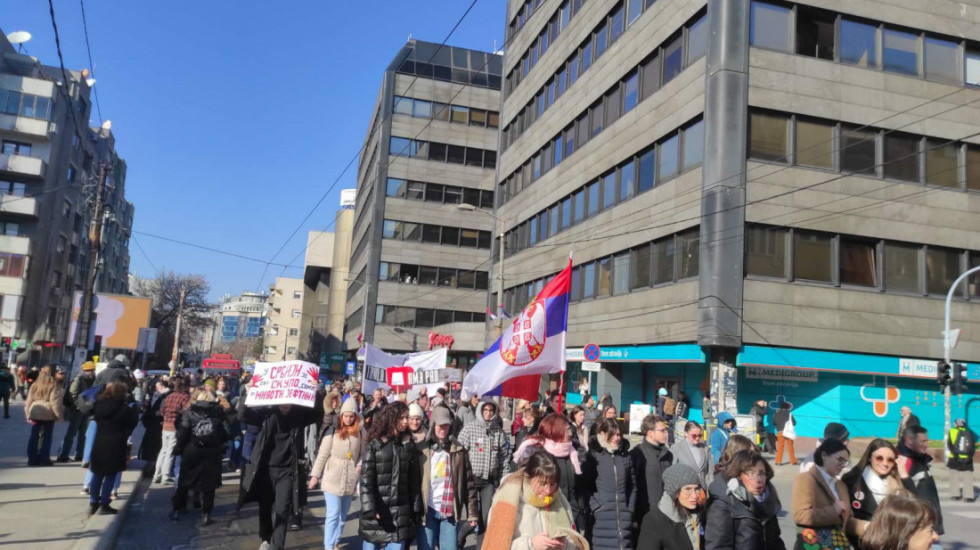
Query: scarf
x,y
560,450
876,484
698,452
514,493
679,514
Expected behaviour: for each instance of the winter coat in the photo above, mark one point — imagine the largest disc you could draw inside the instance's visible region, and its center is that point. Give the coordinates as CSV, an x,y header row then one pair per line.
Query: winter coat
x,y
200,461
391,490
961,452
683,452
612,495
6,383
719,437
813,501
467,413
906,422
649,463
115,371
488,446
759,414
81,383
153,423
294,422
114,422
337,461
780,419
737,521
923,482
464,490
660,531
45,408
863,503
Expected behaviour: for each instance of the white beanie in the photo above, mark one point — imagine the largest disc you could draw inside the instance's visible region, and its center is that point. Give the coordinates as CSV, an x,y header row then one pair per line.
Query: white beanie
x,y
349,406
415,410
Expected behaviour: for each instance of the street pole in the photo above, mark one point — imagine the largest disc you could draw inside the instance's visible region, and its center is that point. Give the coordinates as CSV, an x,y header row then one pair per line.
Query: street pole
x,y
948,345
84,329
180,314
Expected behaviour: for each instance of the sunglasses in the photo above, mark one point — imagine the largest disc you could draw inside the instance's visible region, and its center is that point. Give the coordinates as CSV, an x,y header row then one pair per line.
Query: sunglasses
x,y
888,459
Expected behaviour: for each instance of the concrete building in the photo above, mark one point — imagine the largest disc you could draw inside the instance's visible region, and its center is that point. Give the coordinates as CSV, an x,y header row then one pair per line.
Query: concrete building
x,y
284,335
764,200
420,262
49,161
238,318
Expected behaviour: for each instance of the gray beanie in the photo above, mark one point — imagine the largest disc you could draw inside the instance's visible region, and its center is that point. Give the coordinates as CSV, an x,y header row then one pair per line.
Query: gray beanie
x,y
678,476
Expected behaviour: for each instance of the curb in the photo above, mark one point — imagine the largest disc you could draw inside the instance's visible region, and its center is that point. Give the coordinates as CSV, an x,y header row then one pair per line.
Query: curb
x,y
109,526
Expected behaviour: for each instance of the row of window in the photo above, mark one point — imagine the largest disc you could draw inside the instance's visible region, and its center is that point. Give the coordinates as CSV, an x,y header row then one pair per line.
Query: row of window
x,y
639,83
679,151
420,108
468,67
12,265
666,260
434,192
435,276
559,22
12,187
799,255
442,152
812,142
435,234
10,147
400,316
524,13
834,37
27,105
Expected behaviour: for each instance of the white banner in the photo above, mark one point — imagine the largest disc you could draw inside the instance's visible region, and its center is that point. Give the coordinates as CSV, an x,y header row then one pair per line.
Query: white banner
x,y
413,371
283,383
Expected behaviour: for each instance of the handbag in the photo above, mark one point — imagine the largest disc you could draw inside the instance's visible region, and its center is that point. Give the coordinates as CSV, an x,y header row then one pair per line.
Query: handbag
x,y
821,538
789,430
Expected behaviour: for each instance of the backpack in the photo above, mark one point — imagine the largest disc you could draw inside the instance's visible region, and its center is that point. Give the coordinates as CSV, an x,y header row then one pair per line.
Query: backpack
x,y
85,402
670,406
680,410
207,432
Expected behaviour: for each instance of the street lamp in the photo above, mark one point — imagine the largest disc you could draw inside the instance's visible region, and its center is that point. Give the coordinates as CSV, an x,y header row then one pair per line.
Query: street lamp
x,y
466,207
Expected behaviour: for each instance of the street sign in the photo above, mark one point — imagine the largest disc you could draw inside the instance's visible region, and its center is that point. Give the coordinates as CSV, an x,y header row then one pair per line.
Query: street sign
x,y
351,365
591,366
591,352
146,341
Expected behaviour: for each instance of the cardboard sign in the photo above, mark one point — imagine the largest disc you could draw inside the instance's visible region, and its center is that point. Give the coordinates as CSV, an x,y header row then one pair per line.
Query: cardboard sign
x,y
283,383
405,372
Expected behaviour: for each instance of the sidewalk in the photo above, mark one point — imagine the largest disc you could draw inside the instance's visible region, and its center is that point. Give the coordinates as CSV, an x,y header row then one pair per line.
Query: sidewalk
x,y
40,507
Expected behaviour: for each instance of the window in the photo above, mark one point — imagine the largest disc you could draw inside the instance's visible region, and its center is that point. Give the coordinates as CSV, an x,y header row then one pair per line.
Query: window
x,y
609,190
16,148
454,195
443,317
558,148
293,332
902,267
469,238
588,280
942,268
973,168
697,40
399,146
858,265
440,111
765,251
586,56
388,229
296,314
396,188
422,109
582,130
647,166
478,117
631,92
669,151
635,9
604,277
857,150
493,119
942,160
450,236
815,33
974,282
536,171
768,136
437,151
942,60
297,295
815,143
434,192
769,26
900,52
972,68
627,180
456,154
12,265
566,213
663,257
601,40
694,144
416,190
576,285
688,247
811,256
459,114
613,105
650,72
616,24
431,234
901,160
428,275
673,59
621,274
474,156
642,259
595,115
857,44
579,207
592,192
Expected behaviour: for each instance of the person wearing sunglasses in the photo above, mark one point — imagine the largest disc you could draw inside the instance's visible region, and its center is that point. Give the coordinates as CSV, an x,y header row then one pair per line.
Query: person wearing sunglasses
x,y
820,510
873,479
692,451
743,506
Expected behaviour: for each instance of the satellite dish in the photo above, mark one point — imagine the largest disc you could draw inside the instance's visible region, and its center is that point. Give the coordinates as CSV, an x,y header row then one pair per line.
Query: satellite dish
x,y
18,37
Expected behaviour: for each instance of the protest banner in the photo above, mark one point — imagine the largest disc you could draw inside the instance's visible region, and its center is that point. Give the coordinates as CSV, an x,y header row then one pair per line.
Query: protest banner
x,y
283,383
412,371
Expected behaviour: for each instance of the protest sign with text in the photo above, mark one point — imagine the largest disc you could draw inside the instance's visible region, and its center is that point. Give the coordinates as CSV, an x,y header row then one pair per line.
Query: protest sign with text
x,y
282,383
412,371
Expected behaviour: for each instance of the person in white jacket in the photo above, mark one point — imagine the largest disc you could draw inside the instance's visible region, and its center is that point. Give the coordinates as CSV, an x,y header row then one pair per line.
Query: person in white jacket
x,y
336,470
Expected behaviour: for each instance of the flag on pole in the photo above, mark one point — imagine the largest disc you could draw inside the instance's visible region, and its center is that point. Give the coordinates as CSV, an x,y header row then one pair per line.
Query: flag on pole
x,y
532,344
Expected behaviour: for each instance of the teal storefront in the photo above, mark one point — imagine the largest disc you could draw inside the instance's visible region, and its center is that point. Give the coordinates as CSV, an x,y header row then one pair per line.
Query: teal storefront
x,y
863,392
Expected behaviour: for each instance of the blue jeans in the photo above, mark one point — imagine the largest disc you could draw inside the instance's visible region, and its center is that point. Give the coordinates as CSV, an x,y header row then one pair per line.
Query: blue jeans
x,y
41,432
89,441
336,515
390,546
89,476
100,488
439,530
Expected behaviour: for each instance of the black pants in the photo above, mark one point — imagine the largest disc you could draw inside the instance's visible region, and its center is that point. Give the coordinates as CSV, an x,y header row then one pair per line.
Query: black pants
x,y
180,500
6,405
276,506
77,424
484,492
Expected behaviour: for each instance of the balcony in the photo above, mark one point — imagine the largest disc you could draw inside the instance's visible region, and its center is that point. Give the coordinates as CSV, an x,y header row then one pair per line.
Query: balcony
x,y
23,166
26,126
15,245
17,205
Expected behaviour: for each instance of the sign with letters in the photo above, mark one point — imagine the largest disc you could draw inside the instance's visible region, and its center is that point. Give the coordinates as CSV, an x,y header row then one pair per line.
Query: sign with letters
x,y
283,383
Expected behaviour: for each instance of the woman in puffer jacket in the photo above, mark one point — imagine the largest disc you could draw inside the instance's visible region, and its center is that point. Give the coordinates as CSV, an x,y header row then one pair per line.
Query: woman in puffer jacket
x,y
391,484
742,506
613,494
337,465
43,408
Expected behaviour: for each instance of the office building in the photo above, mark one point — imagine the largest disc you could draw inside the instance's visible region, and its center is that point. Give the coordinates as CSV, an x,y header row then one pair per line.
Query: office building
x,y
284,335
764,200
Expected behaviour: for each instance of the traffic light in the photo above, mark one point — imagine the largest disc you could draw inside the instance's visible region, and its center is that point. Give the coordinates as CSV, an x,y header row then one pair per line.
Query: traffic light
x,y
959,378
5,343
943,375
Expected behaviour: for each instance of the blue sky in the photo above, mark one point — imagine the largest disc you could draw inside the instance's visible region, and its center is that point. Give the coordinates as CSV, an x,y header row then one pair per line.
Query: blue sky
x,y
235,116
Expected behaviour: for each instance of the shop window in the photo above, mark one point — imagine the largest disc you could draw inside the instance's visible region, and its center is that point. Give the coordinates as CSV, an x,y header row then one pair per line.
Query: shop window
x,y
900,52
768,136
815,143
857,150
769,26
902,268
673,59
697,40
647,171
688,251
858,265
942,163
663,259
641,259
811,256
901,159
621,274
942,268
815,33
765,251
942,60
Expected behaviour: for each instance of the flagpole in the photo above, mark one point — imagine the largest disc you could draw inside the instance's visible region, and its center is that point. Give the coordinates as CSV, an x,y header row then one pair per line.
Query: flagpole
x,y
561,379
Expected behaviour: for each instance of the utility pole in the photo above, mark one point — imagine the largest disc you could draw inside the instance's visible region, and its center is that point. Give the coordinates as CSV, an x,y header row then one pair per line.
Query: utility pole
x,y
948,345
84,329
180,315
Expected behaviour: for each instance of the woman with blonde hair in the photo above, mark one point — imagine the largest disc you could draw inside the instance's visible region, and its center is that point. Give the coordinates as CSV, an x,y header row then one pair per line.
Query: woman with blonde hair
x,y
901,522
43,408
335,470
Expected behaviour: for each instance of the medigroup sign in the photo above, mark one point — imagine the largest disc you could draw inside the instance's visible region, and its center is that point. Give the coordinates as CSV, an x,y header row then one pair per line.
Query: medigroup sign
x,y
283,383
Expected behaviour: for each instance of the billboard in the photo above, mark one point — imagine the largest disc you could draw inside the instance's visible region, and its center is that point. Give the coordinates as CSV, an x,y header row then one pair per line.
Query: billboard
x,y
118,319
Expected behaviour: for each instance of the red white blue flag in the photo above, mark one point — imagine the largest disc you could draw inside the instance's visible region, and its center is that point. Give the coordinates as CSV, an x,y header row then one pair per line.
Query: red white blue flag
x,y
532,344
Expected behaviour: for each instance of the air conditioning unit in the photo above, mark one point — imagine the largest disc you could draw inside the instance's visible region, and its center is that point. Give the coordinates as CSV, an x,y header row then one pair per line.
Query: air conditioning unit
x,y
52,127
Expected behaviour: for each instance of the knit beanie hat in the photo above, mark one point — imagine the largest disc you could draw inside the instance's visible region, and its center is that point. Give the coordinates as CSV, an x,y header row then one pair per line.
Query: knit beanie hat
x,y
348,385
836,430
440,416
349,406
678,476
88,365
662,391
415,410
211,384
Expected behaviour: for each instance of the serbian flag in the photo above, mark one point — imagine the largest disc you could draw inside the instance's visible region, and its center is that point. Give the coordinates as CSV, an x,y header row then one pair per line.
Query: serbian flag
x,y
532,344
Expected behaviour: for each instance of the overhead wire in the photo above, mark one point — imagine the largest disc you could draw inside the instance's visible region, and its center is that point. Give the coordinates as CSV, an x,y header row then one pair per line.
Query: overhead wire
x,y
207,248
64,73
91,65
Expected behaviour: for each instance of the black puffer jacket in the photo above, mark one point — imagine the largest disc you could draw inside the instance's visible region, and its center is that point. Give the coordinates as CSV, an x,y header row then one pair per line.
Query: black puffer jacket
x,y
200,462
612,496
737,521
391,491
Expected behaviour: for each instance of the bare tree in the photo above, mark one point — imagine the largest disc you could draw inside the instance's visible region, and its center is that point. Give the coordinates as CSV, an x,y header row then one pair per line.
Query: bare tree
x,y
164,290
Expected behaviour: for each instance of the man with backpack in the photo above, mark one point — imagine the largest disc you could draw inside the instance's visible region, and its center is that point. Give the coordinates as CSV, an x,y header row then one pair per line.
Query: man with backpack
x,y
962,444
77,419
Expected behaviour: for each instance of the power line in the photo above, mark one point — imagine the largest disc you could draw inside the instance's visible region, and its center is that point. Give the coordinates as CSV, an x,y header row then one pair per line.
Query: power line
x,y
64,73
91,65
145,255
209,249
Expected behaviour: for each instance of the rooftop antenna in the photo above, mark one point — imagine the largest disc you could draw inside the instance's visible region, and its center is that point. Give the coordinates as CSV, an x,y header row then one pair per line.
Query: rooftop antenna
x,y
19,38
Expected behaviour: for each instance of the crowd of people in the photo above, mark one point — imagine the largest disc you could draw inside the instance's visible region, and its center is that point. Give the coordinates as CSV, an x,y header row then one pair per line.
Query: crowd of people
x,y
435,470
